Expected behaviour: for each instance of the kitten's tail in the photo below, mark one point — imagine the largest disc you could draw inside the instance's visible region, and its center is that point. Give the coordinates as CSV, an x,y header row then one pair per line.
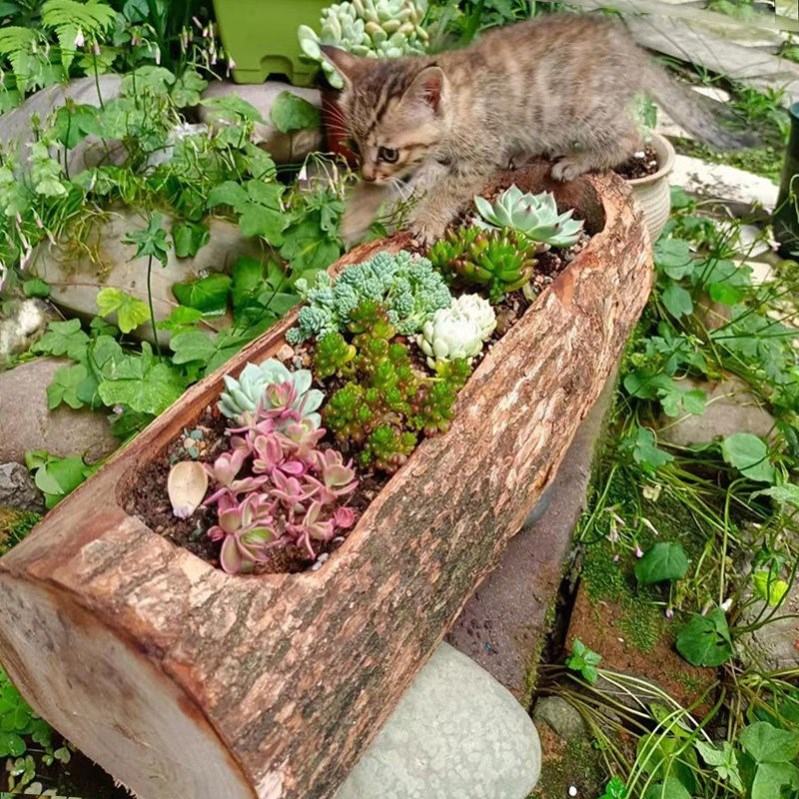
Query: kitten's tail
x,y
704,118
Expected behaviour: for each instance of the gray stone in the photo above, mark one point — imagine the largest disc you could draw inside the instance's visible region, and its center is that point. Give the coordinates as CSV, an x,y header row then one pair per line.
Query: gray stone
x,y
285,148
18,489
17,125
775,645
28,424
23,326
731,408
76,277
455,734
560,717
743,192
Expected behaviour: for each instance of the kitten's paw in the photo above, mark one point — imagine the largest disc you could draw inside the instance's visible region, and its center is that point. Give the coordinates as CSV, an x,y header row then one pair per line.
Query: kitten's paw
x,y
354,226
428,229
569,168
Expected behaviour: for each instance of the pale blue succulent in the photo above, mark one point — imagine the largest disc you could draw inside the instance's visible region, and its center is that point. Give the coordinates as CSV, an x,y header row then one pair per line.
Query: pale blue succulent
x,y
534,215
408,287
243,396
367,28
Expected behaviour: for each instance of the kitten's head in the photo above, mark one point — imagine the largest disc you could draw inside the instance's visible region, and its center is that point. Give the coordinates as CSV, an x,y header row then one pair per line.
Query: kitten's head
x,y
393,110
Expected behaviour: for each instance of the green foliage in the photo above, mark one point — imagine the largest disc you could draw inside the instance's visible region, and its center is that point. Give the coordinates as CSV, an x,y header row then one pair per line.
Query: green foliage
x,y
57,477
584,661
772,755
130,312
750,455
663,561
18,722
615,789
497,261
206,294
385,405
724,762
290,112
408,287
705,640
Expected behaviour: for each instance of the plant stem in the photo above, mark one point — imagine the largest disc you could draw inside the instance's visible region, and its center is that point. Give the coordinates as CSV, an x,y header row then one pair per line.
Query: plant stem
x,y
150,303
97,79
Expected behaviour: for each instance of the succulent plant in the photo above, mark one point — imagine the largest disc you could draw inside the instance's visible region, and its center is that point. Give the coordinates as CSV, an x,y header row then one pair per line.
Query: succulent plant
x,y
406,285
385,405
500,261
372,28
245,530
275,486
255,388
186,486
534,215
458,331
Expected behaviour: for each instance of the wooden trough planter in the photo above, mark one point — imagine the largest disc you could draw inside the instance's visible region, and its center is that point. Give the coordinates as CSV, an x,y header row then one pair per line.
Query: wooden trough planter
x,y
183,681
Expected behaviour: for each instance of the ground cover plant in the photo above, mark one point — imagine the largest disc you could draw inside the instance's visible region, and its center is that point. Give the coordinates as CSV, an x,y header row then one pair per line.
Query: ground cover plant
x,y
296,447
695,547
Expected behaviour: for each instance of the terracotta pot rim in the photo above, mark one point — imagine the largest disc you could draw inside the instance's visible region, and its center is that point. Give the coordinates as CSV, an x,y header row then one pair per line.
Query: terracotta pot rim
x,y
666,156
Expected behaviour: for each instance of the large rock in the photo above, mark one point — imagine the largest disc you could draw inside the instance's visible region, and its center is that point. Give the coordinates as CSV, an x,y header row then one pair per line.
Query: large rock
x,y
17,125
731,408
285,148
18,489
75,277
27,424
23,326
456,734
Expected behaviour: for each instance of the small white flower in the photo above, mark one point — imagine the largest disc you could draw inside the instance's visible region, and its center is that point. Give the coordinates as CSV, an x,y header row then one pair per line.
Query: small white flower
x,y
669,612
572,790
231,64
79,40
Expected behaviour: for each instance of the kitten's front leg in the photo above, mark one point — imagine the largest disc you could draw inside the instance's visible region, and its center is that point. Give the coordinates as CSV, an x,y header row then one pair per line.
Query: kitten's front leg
x,y
442,201
361,210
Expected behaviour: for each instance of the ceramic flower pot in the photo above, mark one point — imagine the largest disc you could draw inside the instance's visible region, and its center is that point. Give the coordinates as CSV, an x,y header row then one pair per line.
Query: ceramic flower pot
x,y
653,192
184,681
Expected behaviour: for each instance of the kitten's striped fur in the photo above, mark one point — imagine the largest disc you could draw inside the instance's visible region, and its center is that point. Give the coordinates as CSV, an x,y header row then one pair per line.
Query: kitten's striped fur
x,y
559,86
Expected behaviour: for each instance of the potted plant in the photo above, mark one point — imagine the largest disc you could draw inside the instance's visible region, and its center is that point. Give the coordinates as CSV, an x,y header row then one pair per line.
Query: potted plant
x,y
182,679
367,28
260,38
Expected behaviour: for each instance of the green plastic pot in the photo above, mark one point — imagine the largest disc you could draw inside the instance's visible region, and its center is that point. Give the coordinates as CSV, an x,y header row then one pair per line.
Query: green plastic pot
x,y
786,214
261,37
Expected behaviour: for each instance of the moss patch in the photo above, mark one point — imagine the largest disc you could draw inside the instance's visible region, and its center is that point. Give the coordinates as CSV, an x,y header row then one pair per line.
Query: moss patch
x,y
565,764
14,526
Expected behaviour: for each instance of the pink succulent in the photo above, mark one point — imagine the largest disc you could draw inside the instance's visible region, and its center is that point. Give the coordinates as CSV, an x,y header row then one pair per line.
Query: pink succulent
x,y
245,531
291,492
224,472
344,518
300,439
312,528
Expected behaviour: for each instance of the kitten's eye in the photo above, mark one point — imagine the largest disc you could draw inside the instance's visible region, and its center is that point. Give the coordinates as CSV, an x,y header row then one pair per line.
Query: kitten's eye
x,y
388,154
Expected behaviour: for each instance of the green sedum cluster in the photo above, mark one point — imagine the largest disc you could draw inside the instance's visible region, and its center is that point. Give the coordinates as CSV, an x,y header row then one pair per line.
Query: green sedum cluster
x,y
497,261
406,286
386,405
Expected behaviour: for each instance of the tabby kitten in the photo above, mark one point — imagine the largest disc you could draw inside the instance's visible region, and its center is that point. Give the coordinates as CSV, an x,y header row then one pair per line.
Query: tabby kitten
x,y
560,86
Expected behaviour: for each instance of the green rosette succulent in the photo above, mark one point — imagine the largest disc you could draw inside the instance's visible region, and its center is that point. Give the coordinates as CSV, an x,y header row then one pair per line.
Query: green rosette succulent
x,y
500,261
243,395
367,28
534,215
458,331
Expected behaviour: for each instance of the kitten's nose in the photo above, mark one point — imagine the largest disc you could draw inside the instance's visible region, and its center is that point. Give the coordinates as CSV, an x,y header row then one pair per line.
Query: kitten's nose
x,y
368,173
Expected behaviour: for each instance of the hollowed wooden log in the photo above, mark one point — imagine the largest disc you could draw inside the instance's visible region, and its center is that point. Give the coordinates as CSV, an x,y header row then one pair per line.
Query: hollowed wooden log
x,y
183,681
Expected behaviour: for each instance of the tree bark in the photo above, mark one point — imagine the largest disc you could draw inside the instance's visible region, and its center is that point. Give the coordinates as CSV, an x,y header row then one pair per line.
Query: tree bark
x,y
184,681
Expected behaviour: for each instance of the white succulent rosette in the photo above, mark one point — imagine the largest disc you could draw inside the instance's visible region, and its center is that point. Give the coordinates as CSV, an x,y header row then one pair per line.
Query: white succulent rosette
x,y
458,331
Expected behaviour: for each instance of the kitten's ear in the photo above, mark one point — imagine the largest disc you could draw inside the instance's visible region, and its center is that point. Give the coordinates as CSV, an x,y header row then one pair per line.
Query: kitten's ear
x,y
427,88
346,64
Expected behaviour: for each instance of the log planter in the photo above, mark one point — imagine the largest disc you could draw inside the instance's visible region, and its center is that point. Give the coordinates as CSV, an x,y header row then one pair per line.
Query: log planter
x,y
182,680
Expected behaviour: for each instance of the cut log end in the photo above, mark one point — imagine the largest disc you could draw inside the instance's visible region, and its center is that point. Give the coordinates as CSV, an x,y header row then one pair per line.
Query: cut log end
x,y
111,698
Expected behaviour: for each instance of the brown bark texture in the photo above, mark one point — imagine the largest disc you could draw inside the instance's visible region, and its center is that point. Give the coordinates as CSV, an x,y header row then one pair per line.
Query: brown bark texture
x,y
181,680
